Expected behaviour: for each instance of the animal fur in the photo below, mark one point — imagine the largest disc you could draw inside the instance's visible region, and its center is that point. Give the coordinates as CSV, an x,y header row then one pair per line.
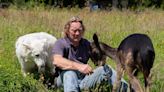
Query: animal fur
x,y
135,53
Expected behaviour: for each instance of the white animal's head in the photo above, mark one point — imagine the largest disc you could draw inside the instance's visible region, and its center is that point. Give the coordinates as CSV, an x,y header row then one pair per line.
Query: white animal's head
x,y
37,52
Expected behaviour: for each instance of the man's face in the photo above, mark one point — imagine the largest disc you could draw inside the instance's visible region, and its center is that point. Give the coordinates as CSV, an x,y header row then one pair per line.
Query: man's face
x,y
75,32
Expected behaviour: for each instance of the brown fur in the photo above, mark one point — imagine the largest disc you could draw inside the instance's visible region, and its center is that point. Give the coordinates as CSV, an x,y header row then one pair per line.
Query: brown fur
x,y
135,53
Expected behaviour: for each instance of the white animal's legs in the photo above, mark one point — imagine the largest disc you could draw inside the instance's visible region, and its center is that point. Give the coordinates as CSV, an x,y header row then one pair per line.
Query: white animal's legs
x,y
22,61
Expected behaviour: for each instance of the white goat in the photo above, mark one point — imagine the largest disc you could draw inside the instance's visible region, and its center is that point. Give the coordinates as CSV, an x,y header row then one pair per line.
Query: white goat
x,y
34,52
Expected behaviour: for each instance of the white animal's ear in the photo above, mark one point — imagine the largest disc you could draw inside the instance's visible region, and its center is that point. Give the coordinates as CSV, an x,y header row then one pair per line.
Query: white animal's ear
x,y
26,45
44,40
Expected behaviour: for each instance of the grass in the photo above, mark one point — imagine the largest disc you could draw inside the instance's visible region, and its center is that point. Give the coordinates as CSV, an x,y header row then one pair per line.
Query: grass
x,y
112,27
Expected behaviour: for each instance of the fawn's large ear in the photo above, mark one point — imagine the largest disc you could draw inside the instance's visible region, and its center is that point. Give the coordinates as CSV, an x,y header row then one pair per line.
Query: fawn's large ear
x,y
96,40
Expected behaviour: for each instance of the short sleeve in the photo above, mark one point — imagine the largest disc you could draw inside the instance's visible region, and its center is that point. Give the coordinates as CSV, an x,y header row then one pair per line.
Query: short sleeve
x,y
58,48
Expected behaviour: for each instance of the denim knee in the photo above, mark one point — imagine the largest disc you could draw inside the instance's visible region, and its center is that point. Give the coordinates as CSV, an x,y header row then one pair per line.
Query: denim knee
x,y
108,71
100,74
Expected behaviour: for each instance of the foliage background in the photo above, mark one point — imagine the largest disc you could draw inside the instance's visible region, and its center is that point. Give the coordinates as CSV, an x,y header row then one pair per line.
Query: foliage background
x,y
130,4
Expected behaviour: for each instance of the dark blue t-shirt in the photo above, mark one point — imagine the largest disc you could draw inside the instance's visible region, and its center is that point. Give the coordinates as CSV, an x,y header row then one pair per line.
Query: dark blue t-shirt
x,y
65,48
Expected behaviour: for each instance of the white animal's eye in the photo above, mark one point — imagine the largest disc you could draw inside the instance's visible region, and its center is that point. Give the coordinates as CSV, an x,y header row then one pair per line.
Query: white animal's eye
x,y
37,55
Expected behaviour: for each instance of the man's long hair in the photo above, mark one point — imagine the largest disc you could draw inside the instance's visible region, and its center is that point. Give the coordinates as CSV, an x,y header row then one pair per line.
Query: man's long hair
x,y
67,25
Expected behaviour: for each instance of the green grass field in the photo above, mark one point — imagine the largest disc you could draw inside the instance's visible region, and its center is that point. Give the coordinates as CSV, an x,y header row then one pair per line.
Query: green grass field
x,y
112,27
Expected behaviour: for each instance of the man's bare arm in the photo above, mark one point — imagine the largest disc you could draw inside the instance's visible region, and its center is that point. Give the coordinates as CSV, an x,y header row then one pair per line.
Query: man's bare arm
x,y
66,64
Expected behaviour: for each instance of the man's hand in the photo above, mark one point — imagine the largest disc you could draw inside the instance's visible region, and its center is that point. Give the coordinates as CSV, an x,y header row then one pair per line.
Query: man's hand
x,y
85,68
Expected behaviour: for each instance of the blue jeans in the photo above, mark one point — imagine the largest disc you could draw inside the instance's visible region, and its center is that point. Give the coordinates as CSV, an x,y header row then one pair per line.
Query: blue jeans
x,y
74,81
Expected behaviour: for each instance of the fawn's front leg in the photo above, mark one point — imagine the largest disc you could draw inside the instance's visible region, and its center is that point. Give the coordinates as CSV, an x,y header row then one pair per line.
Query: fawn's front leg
x,y
117,82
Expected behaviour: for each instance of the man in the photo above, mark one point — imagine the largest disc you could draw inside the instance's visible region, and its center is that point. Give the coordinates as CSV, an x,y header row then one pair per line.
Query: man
x,y
71,54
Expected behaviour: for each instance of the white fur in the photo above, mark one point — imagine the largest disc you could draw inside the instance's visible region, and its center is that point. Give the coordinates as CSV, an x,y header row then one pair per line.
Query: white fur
x,y
34,52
